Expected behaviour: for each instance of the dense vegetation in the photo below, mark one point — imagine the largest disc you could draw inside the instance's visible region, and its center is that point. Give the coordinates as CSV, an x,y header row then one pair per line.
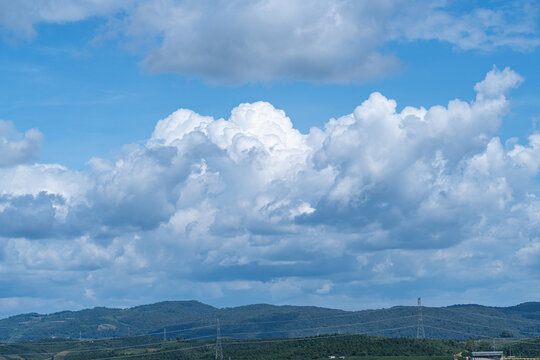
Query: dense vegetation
x,y
191,319
273,348
527,348
361,347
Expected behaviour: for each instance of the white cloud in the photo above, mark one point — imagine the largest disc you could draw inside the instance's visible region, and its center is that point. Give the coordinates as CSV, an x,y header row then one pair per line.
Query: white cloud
x,y
19,17
322,41
497,83
16,148
375,198
260,40
325,289
332,41
510,25
52,178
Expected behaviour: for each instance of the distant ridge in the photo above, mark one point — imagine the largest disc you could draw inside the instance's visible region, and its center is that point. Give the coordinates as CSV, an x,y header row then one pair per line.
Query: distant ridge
x,y
191,319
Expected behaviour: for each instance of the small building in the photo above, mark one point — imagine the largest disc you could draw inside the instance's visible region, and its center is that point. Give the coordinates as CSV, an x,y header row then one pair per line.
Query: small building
x,y
487,355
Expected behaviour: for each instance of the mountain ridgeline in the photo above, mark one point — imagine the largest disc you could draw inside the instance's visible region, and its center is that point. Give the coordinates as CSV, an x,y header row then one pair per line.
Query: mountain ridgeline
x,y
195,320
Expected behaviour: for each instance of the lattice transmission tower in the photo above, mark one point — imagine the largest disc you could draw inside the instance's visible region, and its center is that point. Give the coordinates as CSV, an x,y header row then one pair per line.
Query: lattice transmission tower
x,y
219,349
420,334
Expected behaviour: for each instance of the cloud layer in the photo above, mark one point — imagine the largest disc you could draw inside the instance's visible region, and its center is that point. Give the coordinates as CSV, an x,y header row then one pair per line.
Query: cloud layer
x,y
379,199
330,41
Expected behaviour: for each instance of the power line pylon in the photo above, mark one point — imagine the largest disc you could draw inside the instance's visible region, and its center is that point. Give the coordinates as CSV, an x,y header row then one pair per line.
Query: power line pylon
x,y
219,349
420,334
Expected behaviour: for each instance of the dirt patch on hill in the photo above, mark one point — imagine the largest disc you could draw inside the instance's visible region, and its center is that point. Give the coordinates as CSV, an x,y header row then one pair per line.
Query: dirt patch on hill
x,y
61,354
102,327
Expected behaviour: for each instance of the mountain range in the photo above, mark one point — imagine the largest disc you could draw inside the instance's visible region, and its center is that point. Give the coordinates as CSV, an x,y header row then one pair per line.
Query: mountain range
x,y
195,320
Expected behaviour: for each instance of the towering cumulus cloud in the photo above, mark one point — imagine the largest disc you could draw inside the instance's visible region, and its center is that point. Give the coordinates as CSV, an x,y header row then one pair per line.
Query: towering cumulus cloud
x,y
250,204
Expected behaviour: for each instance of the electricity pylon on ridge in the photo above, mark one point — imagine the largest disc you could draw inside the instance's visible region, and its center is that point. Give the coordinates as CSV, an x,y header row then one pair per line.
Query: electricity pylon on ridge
x,y
420,334
219,349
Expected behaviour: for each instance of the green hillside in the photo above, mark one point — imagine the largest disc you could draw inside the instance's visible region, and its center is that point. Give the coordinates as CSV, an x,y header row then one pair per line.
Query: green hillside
x,y
192,319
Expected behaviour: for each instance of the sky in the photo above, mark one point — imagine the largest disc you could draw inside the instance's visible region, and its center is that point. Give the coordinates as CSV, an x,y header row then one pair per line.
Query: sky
x,y
346,154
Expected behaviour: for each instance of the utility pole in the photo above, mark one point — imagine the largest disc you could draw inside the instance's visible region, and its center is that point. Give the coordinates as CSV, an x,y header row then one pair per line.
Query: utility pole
x,y
420,334
80,335
219,349
164,334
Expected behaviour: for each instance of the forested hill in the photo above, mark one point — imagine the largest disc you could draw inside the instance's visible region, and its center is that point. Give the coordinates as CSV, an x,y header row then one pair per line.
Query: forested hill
x,y
192,319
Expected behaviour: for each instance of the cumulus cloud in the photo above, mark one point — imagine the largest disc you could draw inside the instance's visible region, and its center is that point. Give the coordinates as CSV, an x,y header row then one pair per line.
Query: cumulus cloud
x,y
250,204
16,148
335,41
331,41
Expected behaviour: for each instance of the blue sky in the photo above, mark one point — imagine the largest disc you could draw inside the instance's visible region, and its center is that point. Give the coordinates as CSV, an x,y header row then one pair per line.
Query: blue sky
x,y
110,195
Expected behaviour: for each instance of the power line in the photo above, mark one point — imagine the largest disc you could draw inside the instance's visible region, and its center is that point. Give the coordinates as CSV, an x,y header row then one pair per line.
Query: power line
x,y
232,324
359,313
458,332
477,325
53,343
146,354
204,346
156,343
236,342
228,343
317,328
354,314
250,342
207,336
465,312
229,334
109,338
90,350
